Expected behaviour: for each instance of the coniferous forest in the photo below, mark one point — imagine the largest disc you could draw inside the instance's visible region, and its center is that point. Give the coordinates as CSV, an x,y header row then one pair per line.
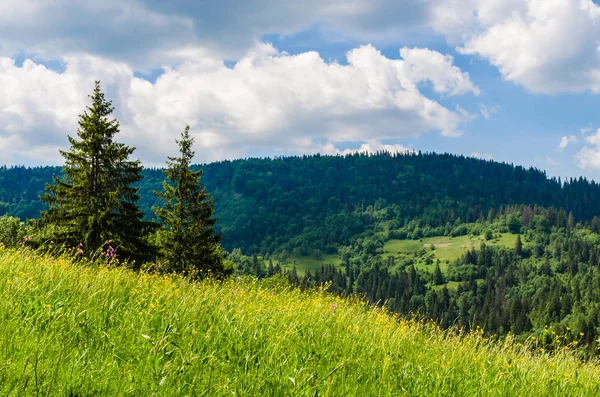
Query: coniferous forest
x,y
381,227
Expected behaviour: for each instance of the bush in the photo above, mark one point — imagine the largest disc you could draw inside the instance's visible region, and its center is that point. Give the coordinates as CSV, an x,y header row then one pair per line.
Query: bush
x,y
488,235
12,231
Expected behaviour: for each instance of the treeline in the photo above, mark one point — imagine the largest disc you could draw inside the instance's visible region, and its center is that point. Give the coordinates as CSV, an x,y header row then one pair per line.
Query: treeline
x,y
321,202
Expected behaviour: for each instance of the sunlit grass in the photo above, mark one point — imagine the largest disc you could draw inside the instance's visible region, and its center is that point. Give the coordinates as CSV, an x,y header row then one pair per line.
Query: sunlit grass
x,y
76,329
447,249
308,262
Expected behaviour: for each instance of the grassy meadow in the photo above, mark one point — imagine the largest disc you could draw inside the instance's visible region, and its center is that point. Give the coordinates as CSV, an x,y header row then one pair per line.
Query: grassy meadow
x,y
81,329
307,262
446,248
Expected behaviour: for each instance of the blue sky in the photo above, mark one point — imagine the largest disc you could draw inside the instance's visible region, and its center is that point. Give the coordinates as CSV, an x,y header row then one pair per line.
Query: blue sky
x,y
512,80
523,127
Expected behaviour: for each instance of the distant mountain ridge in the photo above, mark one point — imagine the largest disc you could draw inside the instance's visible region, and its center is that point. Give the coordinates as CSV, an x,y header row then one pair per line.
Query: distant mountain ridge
x,y
317,201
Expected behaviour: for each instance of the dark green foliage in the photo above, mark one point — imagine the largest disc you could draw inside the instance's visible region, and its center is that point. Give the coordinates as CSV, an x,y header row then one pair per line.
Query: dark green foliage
x,y
12,231
514,224
438,277
488,235
518,246
322,202
188,242
94,201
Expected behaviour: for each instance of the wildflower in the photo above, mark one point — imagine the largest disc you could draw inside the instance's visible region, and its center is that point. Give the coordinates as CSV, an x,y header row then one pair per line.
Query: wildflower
x,y
110,252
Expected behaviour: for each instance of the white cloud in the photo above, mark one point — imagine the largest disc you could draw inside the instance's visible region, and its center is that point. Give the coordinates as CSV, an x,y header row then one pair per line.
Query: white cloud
x,y
547,46
268,100
589,156
38,106
154,33
277,101
122,30
585,130
483,156
370,147
422,64
487,111
566,140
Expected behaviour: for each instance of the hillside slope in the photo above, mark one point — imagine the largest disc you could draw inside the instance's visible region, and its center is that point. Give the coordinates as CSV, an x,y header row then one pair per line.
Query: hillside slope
x,y
322,202
77,329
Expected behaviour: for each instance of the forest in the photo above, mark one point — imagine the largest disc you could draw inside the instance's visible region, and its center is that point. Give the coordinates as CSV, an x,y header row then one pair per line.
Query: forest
x,y
322,202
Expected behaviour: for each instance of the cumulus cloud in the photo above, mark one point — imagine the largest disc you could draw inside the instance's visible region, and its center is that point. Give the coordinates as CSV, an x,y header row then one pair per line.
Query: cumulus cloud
x,y
123,30
268,99
271,99
155,33
39,106
370,147
566,140
422,64
547,46
589,156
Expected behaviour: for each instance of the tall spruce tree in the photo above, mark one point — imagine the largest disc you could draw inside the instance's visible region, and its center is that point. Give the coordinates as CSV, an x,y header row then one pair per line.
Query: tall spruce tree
x,y
95,201
188,241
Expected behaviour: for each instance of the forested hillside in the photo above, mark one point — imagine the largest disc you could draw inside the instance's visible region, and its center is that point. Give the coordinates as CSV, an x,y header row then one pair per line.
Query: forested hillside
x,y
322,202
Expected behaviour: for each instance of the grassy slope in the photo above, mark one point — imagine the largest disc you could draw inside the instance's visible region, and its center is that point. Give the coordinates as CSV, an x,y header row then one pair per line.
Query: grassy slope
x,y
446,248
73,330
304,263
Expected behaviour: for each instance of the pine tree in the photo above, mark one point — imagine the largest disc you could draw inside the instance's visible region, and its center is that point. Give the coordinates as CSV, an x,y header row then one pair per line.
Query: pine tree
x,y
94,202
438,276
518,246
188,241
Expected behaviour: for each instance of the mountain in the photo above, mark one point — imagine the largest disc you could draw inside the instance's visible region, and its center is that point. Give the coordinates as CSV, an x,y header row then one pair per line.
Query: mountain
x,y
322,202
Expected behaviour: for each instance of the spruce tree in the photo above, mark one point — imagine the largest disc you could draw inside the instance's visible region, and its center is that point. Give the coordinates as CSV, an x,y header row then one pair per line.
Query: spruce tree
x,y
518,246
188,241
438,276
94,201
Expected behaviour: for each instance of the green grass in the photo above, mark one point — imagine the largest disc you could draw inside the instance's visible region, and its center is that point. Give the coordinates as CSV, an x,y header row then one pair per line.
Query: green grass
x,y
304,263
74,330
446,250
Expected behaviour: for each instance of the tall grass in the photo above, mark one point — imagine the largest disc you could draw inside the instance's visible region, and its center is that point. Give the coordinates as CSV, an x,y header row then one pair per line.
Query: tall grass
x,y
69,329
